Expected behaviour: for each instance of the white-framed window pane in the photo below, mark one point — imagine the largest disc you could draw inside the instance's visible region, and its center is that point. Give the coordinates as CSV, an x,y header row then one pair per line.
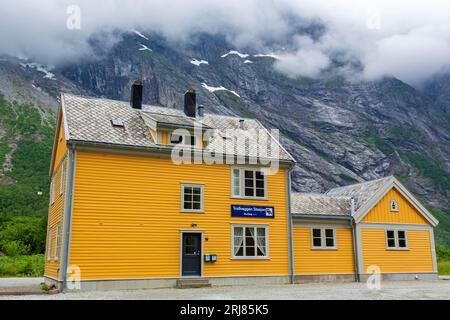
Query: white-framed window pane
x,y
317,237
236,183
329,237
192,197
401,239
250,242
249,183
390,234
176,138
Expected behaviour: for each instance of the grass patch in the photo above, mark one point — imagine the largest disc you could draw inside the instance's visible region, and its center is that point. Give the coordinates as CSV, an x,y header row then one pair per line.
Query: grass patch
x,y
22,266
444,268
345,177
374,140
430,169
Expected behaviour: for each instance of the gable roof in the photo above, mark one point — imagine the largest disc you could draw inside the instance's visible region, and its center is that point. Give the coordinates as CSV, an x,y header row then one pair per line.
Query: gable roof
x,y
89,120
320,204
361,192
368,194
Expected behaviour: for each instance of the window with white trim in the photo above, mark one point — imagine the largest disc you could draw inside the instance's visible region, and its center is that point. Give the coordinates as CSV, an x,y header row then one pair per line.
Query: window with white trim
x,y
323,238
58,235
187,140
62,182
49,243
396,239
52,189
394,205
192,197
250,242
249,183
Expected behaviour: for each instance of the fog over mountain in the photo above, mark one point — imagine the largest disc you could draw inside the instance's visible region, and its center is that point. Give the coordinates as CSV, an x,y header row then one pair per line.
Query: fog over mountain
x,y
407,39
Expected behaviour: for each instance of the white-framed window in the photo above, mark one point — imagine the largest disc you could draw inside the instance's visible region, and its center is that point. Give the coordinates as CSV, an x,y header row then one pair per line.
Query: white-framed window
x,y
323,238
396,239
52,189
250,242
192,197
394,205
187,140
248,183
49,244
58,237
62,182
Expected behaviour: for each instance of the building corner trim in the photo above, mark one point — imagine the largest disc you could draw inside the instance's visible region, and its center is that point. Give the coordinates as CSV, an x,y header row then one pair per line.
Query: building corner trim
x,y
290,229
68,218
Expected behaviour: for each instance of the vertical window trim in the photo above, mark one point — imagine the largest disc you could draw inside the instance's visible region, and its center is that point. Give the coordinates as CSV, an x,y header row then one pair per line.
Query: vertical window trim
x,y
49,244
396,239
62,181
242,183
255,226
52,189
202,197
57,241
323,238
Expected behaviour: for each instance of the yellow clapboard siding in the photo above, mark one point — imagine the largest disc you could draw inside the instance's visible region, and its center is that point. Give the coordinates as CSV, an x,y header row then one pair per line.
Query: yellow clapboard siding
x,y
56,209
309,261
406,214
126,218
417,259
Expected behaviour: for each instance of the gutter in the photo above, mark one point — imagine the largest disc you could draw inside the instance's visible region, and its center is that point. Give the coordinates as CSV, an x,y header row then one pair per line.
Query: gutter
x,y
68,219
168,151
355,241
321,216
290,236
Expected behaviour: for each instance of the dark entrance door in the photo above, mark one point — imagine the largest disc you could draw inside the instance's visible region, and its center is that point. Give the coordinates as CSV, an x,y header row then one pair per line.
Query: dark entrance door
x,y
191,254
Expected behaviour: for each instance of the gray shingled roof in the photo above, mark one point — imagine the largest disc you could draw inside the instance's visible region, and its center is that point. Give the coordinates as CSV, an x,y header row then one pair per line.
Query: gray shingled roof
x,y
361,192
336,201
320,204
89,120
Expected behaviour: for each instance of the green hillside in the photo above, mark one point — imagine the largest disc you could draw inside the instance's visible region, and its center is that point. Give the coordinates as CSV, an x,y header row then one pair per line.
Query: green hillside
x,y
26,138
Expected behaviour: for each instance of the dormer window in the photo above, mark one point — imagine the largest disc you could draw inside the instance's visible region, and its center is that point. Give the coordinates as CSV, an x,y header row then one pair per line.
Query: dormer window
x,y
394,205
187,140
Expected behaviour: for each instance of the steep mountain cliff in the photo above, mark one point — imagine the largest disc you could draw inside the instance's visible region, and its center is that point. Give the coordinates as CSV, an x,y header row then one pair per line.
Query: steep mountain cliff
x,y
340,131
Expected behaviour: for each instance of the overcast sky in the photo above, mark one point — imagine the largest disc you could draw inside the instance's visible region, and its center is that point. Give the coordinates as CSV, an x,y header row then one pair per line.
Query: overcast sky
x,y
408,39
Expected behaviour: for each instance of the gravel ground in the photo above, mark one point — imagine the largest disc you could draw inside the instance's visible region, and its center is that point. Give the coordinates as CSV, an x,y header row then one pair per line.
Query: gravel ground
x,y
439,289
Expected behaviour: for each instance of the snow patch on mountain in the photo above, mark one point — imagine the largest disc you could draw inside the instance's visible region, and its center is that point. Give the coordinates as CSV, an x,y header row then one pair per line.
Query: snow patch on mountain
x,y
144,48
40,68
221,88
140,34
234,52
274,56
198,62
248,61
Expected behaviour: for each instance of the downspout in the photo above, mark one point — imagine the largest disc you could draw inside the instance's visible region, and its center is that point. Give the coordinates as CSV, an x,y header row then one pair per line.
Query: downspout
x,y
355,241
68,221
289,217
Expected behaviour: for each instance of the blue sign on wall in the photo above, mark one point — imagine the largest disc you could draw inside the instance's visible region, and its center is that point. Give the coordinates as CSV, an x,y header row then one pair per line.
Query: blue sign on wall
x,y
252,211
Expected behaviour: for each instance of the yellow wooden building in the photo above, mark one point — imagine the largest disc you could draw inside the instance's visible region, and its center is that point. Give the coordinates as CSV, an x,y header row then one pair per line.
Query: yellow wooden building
x,y
130,209
125,214
351,232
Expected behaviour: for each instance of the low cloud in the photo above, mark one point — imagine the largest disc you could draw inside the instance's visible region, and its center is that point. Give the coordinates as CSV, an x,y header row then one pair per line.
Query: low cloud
x,y
408,39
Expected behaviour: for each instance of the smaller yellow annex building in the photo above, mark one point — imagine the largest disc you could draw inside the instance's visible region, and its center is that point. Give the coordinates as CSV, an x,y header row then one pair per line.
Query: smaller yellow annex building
x,y
124,214
351,232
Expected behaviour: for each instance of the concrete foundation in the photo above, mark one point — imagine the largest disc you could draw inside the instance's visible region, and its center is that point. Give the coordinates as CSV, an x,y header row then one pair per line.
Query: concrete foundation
x,y
402,276
305,278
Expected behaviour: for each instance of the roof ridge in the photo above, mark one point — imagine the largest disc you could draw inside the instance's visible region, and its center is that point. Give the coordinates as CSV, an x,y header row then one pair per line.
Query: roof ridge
x,y
360,183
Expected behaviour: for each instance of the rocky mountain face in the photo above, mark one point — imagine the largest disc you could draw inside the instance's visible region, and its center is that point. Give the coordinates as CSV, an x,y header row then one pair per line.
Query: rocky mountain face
x,y
339,131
